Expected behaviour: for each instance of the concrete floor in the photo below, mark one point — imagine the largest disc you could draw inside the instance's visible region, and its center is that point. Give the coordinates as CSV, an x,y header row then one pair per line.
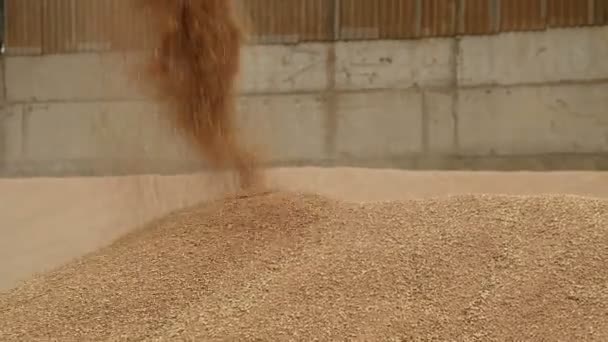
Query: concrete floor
x,y
45,222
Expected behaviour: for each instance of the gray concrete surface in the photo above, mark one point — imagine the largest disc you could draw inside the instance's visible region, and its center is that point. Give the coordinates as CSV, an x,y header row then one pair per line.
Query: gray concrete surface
x,y
534,58
514,100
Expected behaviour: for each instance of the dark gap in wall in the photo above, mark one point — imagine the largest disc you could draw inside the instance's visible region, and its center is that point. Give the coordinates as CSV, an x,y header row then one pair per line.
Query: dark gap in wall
x,y
2,26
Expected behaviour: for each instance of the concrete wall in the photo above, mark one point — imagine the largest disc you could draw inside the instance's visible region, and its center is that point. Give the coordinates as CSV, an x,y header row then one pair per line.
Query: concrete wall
x,y
536,100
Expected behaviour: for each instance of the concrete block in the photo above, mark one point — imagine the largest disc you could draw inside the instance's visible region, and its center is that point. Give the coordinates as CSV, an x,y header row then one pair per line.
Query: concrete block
x,y
283,68
534,120
97,131
394,64
11,126
69,77
122,75
284,128
441,125
534,57
99,76
2,81
379,125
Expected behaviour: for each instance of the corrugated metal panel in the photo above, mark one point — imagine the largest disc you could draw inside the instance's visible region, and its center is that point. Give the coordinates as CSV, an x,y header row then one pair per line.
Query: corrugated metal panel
x,y
522,15
58,26
568,13
142,35
398,18
122,26
129,27
92,22
106,24
477,17
438,18
359,19
93,25
245,11
316,20
600,12
274,20
23,27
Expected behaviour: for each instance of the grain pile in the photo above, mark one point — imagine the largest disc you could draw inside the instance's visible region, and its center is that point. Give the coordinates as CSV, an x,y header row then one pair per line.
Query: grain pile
x,y
278,266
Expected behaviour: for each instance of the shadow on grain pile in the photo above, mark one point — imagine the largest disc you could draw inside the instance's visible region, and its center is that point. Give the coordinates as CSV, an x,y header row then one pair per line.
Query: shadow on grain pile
x,y
286,265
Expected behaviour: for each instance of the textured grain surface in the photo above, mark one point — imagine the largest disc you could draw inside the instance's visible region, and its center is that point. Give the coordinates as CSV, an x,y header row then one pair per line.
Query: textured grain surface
x,y
46,222
286,265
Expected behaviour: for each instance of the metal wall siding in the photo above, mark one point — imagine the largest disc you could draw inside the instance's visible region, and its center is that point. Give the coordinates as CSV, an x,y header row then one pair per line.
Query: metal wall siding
x,y
92,22
63,26
283,20
120,31
119,27
438,18
522,15
250,11
274,20
58,26
567,13
23,32
111,24
476,17
316,20
90,25
359,19
600,12
397,19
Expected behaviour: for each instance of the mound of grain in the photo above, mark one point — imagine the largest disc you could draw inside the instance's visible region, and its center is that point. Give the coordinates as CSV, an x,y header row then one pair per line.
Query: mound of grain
x,y
291,266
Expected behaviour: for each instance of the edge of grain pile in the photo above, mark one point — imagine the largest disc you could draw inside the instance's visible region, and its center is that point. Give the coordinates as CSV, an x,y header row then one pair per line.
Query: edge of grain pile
x,y
293,266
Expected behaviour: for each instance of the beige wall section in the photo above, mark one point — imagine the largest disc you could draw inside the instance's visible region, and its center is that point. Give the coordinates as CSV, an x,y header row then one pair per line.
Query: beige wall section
x,y
535,99
88,137
534,57
393,64
285,129
284,69
438,107
534,120
378,125
11,134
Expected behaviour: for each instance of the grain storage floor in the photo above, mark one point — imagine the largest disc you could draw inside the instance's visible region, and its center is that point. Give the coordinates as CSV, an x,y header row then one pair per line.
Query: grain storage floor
x,y
425,266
